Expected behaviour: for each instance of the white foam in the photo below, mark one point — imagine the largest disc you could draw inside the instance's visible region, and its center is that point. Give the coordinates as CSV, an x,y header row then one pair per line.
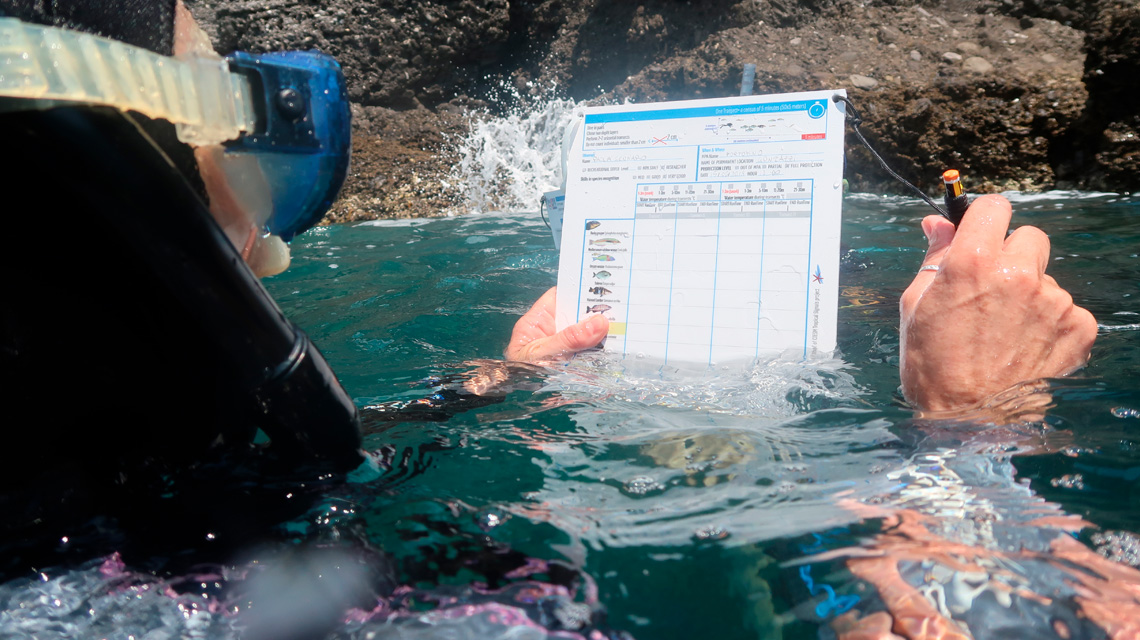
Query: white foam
x,y
507,162
402,222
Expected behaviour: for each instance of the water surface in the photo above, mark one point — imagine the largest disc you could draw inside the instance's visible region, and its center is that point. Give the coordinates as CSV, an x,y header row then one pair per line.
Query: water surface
x,y
679,491
652,501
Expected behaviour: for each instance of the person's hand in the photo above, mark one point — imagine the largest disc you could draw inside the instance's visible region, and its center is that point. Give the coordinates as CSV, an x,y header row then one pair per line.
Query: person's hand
x,y
534,338
988,318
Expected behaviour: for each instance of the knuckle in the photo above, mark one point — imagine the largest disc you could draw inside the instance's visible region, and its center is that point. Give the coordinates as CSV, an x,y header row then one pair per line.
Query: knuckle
x,y
1086,323
1031,233
970,264
1063,299
909,298
1024,279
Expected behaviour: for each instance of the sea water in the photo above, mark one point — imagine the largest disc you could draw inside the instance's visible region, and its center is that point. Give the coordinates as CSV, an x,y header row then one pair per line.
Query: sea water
x,y
687,495
611,497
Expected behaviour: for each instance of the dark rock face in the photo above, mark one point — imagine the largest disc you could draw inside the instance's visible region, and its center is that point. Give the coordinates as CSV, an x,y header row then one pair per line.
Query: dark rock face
x,y
1112,116
396,53
981,93
1021,94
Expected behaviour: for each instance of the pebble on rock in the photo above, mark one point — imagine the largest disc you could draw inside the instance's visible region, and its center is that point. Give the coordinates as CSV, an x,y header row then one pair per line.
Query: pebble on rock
x,y
952,57
974,64
863,82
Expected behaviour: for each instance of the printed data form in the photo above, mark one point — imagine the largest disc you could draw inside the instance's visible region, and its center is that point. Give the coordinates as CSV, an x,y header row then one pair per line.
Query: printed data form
x,y
706,231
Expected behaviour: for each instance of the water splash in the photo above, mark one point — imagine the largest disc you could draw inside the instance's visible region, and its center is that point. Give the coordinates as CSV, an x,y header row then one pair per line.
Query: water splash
x,y
507,162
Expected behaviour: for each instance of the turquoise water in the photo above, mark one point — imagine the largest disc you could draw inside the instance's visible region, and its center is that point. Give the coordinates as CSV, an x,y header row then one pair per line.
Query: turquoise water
x,y
608,497
688,496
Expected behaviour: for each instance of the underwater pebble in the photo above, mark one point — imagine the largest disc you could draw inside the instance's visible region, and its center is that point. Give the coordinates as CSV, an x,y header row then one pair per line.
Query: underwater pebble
x,y
642,485
915,55
1069,481
863,82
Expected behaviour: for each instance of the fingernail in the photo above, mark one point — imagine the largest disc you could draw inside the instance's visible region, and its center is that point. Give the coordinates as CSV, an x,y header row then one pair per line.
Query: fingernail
x,y
935,234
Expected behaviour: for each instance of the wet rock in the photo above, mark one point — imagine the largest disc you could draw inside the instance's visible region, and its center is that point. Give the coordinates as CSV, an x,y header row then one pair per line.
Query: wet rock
x,y
975,64
420,70
1112,65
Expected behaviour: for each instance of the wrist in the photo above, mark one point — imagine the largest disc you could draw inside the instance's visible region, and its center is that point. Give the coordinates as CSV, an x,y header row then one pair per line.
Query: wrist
x,y
1023,402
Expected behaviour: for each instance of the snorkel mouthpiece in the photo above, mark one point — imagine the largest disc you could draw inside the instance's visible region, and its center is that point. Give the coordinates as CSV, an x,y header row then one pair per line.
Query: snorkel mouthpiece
x,y
302,138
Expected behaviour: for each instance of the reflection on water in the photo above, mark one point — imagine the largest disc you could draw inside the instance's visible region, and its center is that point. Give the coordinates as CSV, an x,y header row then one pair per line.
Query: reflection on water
x,y
607,497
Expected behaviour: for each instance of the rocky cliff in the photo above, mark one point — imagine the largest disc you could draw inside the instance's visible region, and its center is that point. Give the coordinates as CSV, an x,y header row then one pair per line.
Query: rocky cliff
x,y
1018,94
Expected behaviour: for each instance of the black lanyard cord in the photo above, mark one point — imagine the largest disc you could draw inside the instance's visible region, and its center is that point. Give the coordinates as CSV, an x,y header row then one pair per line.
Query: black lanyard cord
x,y
855,120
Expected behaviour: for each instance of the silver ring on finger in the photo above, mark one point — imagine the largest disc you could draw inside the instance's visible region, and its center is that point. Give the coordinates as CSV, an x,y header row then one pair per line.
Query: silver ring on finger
x,y
930,267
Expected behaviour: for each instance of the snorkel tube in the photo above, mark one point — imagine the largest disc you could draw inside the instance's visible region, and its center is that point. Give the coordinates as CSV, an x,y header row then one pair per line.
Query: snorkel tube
x,y
136,315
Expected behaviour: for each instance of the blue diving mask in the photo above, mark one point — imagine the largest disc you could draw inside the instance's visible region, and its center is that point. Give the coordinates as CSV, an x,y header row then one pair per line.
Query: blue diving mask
x,y
282,119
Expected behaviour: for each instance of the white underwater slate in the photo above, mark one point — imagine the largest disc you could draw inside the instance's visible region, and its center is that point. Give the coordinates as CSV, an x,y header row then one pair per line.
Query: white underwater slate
x,y
707,231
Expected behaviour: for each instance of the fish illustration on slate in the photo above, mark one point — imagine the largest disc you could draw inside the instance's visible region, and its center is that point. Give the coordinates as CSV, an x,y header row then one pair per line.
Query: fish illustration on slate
x,y
598,308
606,241
599,291
602,275
604,258
593,224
